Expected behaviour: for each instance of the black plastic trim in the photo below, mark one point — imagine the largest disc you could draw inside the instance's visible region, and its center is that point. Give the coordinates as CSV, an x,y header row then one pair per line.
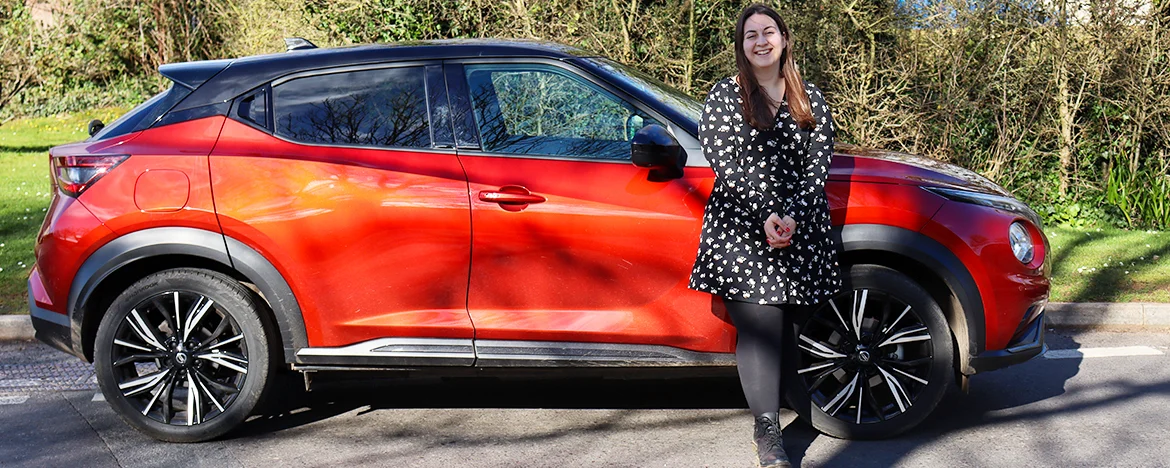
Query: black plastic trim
x,y
935,257
128,249
276,291
462,113
1030,345
214,246
442,133
50,327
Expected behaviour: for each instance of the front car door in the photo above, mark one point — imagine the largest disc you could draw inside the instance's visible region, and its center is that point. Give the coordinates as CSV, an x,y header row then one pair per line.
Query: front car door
x,y
572,246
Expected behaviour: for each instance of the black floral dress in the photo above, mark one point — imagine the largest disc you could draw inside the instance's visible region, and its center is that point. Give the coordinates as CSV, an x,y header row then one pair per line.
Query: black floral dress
x,y
782,170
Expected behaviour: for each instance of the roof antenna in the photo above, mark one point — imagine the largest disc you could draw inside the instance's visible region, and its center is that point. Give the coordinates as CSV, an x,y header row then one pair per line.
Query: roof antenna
x,y
297,43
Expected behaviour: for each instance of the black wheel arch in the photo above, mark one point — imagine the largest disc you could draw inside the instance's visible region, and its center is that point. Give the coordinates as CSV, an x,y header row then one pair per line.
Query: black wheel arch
x,y
932,265
130,257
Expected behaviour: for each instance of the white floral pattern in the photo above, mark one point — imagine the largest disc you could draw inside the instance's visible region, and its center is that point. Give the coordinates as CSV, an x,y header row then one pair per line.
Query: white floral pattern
x,y
782,170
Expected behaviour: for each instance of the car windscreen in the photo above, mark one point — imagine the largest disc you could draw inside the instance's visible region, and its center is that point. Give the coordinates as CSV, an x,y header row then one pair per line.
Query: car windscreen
x,y
683,102
145,115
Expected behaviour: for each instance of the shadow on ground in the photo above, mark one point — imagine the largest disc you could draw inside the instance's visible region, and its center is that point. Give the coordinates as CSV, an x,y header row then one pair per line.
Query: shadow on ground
x,y
996,398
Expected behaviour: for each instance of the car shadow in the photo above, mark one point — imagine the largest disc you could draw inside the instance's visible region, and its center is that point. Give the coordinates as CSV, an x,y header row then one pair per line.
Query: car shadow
x,y
1001,398
995,399
292,406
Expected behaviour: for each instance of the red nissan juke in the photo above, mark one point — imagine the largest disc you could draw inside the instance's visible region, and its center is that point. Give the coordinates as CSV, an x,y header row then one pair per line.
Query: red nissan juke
x,y
486,205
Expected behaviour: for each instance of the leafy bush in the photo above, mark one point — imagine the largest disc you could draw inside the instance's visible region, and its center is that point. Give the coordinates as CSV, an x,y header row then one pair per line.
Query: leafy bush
x,y
1068,108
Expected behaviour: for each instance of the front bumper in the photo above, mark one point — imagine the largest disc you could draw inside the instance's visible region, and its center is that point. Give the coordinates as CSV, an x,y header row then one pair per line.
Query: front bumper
x,y
1027,346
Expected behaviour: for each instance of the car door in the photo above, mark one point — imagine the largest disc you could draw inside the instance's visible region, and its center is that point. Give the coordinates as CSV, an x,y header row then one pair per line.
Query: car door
x,y
348,182
570,241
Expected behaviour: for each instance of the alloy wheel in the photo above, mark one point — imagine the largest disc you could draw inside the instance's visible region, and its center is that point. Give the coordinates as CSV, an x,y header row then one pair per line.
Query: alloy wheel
x,y
866,356
179,359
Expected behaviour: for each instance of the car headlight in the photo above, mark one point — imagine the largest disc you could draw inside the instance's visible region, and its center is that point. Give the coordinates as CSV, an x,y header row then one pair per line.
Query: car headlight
x,y
1021,242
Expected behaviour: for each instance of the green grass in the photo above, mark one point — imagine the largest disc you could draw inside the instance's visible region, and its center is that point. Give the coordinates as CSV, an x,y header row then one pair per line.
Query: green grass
x,y
1109,265
25,191
1090,265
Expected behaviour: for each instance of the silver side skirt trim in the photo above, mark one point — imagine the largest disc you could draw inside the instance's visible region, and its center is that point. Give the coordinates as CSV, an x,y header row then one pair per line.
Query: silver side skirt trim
x,y
500,353
492,353
398,352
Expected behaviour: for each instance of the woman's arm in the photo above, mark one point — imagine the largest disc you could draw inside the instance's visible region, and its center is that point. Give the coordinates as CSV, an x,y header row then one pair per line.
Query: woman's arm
x,y
722,137
816,163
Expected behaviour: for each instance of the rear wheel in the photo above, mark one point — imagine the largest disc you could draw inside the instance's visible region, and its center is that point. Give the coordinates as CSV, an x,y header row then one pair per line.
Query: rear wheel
x,y
871,362
183,355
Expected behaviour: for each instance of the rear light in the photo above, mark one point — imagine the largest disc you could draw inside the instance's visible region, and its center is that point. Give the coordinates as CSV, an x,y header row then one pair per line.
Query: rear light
x,y
74,174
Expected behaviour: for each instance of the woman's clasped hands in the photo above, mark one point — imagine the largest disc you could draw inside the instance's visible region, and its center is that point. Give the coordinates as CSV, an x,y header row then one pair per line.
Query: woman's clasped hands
x,y
779,230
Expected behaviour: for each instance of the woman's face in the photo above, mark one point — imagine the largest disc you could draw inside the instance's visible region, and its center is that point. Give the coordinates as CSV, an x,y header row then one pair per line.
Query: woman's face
x,y
762,41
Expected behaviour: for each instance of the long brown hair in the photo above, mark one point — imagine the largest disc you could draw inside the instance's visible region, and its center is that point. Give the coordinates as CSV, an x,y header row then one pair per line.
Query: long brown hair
x,y
755,104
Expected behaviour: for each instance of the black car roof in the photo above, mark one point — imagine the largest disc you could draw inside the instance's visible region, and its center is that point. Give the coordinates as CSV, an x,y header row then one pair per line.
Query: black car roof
x,y
217,81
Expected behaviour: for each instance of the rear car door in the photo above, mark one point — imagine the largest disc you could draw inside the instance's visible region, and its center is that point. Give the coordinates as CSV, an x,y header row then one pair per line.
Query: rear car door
x,y
571,242
347,180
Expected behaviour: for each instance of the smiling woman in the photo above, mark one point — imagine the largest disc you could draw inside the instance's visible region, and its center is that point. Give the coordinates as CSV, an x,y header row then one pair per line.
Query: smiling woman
x,y
765,247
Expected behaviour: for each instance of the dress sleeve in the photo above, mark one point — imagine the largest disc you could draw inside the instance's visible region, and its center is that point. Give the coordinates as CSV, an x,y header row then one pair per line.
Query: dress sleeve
x,y
815,167
722,135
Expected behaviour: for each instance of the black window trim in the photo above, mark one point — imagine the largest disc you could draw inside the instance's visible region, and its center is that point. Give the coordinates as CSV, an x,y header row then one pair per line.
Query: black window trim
x,y
420,64
235,110
571,69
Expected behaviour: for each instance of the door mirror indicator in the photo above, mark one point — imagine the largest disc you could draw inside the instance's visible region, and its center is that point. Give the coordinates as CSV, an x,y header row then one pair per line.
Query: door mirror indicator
x,y
653,147
634,123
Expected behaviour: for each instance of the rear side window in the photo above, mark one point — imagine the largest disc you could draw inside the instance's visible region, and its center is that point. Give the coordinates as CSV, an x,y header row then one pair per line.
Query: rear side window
x,y
254,108
380,108
145,115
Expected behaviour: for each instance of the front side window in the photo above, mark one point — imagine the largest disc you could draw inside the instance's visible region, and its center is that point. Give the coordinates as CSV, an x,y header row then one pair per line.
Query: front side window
x,y
543,110
380,108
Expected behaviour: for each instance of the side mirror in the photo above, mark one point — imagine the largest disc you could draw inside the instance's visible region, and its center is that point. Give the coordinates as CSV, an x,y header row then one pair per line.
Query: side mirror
x,y
95,126
656,149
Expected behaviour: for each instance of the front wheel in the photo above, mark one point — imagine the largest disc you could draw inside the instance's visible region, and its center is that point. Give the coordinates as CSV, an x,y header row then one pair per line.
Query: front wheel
x,y
183,355
871,362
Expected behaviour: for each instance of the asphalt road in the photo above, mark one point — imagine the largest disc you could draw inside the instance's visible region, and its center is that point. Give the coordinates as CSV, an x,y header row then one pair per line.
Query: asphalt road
x,y
1086,408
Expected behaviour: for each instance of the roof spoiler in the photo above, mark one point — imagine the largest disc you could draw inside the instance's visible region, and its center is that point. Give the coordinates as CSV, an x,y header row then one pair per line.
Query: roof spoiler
x,y
193,74
297,43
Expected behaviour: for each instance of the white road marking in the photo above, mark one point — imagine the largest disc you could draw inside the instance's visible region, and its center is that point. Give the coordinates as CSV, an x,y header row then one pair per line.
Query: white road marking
x,y
17,383
98,397
1085,353
13,400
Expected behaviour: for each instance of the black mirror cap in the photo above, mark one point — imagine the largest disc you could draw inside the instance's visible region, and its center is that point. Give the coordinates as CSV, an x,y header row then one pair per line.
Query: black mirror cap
x,y
653,147
95,126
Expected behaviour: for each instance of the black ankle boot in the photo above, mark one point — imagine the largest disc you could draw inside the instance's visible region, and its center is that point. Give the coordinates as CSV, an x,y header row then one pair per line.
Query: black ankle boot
x,y
769,443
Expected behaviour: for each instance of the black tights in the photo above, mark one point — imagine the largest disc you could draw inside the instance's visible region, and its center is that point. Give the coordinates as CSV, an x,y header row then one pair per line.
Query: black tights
x,y
758,353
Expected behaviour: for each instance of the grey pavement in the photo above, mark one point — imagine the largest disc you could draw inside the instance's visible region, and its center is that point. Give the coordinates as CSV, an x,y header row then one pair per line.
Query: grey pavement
x,y
1104,403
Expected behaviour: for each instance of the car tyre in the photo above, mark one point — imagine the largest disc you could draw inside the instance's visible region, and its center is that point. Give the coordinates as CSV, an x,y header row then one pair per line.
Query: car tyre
x,y
183,355
872,362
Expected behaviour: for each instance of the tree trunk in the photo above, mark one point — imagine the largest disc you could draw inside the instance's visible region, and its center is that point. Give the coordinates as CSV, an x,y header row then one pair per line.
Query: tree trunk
x,y
1065,111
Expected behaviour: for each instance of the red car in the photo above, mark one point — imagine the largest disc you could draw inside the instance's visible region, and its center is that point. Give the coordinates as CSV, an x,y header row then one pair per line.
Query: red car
x,y
485,205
